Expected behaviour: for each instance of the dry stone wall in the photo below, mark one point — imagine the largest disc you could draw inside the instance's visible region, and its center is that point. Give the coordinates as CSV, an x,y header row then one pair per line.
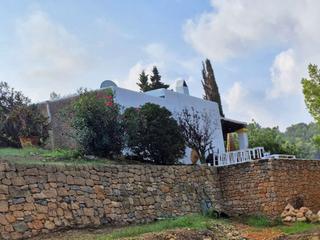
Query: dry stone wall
x,y
39,199
267,186
42,198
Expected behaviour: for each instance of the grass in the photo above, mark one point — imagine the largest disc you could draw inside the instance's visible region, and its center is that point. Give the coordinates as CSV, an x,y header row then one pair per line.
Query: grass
x,y
258,221
55,157
298,227
197,222
43,156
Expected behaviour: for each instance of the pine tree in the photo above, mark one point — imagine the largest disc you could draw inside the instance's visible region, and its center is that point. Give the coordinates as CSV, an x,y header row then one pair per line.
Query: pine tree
x,y
210,85
155,79
143,82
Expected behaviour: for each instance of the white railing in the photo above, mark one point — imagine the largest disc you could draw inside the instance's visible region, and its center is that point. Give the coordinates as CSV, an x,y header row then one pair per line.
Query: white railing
x,y
240,156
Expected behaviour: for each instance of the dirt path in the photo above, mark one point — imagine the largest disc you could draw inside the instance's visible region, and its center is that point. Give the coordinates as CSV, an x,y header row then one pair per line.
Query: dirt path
x,y
258,234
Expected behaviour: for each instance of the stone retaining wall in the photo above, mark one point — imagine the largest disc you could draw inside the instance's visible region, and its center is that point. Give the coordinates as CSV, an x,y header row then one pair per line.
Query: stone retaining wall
x,y
39,199
266,186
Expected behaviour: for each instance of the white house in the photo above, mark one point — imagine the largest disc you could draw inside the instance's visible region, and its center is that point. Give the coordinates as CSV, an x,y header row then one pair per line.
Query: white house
x,y
174,99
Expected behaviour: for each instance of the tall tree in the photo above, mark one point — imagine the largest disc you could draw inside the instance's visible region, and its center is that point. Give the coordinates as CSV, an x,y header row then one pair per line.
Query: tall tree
x,y
210,85
155,79
311,91
143,82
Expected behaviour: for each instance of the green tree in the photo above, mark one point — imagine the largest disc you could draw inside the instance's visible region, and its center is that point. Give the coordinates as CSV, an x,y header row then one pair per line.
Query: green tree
x,y
306,138
153,134
270,138
97,123
143,82
155,79
10,101
311,91
210,86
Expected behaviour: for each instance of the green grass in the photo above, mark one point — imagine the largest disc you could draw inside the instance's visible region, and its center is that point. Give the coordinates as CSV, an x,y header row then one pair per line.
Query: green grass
x,y
21,152
298,227
43,156
55,157
258,221
197,222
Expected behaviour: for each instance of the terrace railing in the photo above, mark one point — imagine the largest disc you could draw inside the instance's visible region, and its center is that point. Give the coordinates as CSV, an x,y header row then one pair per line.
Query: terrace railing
x,y
236,157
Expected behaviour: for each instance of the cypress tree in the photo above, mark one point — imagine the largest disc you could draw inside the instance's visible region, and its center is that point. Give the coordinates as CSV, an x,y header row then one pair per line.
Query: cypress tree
x,y
155,79
143,82
210,85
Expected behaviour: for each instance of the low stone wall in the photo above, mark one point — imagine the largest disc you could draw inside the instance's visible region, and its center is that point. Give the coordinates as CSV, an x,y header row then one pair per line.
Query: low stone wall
x,y
39,199
267,186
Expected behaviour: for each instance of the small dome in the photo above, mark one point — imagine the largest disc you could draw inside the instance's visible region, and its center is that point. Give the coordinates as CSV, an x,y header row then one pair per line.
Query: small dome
x,y
108,83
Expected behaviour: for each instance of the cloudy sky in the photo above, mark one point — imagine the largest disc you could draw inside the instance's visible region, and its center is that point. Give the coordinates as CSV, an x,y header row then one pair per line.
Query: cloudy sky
x,y
259,49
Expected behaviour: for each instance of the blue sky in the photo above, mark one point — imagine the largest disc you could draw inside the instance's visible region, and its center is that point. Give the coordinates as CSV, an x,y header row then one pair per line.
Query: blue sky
x,y
259,51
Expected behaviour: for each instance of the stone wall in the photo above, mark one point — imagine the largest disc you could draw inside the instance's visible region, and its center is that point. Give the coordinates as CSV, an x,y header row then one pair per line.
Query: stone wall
x,y
39,199
60,133
266,186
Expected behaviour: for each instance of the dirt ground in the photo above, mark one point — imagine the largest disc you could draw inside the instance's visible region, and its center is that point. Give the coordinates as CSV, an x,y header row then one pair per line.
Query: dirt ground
x,y
215,232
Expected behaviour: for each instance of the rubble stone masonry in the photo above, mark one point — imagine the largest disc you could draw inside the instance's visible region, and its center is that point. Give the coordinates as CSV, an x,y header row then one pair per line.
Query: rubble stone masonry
x,y
37,199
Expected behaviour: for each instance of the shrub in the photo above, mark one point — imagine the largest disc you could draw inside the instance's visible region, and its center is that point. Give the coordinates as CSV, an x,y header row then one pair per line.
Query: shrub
x,y
153,134
97,123
18,118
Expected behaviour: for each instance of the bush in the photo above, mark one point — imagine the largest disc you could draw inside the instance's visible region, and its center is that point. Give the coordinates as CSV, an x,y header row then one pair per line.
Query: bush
x,y
97,123
153,134
18,118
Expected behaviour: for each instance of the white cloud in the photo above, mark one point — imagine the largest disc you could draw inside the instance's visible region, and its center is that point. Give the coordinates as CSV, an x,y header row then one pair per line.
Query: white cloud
x,y
284,72
242,29
133,75
48,57
236,28
241,103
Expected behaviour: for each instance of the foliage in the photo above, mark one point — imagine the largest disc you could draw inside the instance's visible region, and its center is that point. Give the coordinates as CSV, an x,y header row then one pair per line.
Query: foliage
x,y
153,134
197,222
54,96
311,91
210,85
27,121
270,138
302,140
259,221
143,82
306,138
197,131
155,79
18,118
97,123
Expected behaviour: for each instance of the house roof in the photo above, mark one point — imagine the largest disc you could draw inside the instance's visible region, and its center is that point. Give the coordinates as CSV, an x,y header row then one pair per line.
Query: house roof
x,y
230,125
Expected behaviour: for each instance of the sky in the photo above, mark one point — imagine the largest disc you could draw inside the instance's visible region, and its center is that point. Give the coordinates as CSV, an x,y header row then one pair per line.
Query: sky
x,y
259,50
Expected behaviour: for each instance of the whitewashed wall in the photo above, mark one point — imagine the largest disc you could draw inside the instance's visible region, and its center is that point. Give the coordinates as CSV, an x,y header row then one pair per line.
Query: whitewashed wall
x,y
174,102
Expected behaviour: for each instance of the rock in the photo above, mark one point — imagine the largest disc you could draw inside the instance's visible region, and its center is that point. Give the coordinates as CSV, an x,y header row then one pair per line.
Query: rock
x,y
312,218
301,219
288,211
4,189
288,219
4,206
49,225
20,227
304,209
